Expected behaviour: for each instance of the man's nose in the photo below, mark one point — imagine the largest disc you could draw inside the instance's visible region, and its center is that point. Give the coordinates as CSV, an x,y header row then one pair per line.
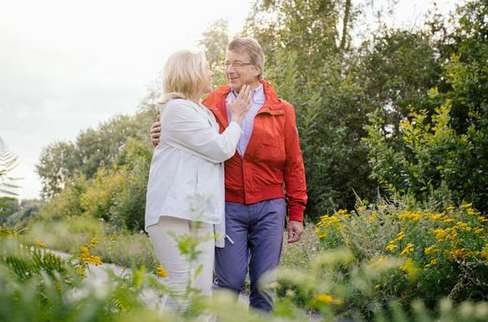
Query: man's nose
x,y
229,68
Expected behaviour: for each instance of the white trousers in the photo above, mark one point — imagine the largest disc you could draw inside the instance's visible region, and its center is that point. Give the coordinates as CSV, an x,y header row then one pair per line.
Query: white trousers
x,y
181,271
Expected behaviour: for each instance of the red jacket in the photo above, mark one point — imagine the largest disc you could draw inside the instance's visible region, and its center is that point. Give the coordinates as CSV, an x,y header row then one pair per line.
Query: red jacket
x,y
272,165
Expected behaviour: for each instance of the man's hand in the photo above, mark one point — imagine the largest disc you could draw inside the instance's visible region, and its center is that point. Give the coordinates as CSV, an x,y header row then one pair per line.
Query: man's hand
x,y
155,133
295,230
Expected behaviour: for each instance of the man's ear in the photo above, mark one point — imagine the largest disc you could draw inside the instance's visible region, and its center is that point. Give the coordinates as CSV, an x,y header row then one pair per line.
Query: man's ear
x,y
258,71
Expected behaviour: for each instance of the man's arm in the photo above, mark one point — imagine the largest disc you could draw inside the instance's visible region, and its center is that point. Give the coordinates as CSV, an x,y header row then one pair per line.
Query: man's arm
x,y
155,133
295,183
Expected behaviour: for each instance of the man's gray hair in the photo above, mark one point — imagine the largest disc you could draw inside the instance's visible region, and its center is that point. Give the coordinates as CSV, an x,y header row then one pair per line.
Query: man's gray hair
x,y
251,47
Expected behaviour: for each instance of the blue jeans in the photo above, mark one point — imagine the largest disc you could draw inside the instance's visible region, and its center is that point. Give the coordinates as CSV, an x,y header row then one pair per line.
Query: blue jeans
x,y
255,240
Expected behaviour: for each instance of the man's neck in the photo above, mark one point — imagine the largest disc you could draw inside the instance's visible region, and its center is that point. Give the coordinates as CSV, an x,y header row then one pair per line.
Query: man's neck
x,y
253,85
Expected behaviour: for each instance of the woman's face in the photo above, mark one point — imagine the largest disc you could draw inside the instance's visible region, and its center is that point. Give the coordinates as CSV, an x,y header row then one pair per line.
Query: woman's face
x,y
207,86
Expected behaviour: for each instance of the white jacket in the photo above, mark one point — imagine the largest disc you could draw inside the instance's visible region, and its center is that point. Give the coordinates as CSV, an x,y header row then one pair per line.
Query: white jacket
x,y
186,179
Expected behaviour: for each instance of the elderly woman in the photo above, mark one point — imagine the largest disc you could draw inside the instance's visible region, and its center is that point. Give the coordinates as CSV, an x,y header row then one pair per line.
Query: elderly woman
x,y
185,193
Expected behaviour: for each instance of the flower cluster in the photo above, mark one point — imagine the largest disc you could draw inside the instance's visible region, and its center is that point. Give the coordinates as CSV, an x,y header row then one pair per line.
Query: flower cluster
x,y
86,258
436,247
161,271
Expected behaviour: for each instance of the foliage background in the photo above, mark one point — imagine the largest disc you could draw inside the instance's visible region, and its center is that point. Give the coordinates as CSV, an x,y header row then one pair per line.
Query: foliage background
x,y
394,132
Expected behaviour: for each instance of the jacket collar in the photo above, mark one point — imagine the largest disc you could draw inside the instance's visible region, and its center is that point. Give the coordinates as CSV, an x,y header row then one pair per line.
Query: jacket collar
x,y
215,101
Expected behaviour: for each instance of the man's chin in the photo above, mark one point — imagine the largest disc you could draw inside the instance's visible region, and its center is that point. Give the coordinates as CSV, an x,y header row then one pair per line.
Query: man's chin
x,y
235,86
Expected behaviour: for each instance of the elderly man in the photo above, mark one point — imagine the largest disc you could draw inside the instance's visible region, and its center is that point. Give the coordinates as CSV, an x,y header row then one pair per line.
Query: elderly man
x,y
264,180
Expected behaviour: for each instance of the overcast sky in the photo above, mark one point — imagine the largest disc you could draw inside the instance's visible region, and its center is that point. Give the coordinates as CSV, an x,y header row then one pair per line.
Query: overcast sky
x,y
69,65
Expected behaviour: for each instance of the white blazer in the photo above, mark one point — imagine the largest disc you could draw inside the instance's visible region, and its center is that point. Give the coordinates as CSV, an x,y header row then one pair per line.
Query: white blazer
x,y
186,178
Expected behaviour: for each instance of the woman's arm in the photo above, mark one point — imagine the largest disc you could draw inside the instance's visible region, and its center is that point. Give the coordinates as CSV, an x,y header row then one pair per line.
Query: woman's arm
x,y
183,126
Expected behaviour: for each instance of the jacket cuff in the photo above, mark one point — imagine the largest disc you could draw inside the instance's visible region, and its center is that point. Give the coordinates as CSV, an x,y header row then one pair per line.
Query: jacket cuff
x,y
235,124
295,213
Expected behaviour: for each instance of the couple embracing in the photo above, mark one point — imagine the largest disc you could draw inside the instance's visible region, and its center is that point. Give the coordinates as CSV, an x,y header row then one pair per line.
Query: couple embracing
x,y
229,166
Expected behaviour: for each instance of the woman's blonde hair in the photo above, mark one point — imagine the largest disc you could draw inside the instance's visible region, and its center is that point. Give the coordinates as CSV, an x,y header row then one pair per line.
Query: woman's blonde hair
x,y
184,75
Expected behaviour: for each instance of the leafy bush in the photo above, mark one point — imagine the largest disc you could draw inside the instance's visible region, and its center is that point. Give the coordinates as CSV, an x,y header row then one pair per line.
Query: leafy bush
x,y
432,159
438,146
115,194
130,203
8,206
65,204
442,253
100,193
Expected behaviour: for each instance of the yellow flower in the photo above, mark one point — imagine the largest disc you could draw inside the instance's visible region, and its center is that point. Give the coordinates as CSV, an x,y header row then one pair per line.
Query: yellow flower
x,y
460,253
440,234
484,253
391,246
343,213
478,231
433,262
328,299
430,250
400,236
81,270
85,251
87,258
94,260
408,249
437,217
463,226
326,221
450,208
321,233
40,244
93,242
373,217
413,216
410,268
161,271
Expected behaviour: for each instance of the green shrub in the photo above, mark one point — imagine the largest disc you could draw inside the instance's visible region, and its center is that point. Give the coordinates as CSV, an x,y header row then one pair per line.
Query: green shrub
x,y
100,193
129,204
442,253
66,203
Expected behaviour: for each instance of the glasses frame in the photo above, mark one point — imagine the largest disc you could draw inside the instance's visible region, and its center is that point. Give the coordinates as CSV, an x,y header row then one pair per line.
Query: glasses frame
x,y
236,64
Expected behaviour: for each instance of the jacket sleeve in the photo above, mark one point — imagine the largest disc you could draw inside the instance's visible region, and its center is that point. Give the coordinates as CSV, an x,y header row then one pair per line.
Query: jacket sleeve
x,y
184,127
295,182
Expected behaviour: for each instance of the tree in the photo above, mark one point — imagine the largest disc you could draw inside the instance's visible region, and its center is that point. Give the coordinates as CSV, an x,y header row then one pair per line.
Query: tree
x,y
93,148
58,162
8,206
8,162
309,58
397,68
441,150
214,43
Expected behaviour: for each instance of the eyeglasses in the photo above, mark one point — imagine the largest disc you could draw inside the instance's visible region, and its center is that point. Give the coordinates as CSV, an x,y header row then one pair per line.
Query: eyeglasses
x,y
236,64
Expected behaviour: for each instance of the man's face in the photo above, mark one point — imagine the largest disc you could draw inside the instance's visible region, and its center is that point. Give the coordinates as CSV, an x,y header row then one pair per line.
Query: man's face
x,y
239,70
